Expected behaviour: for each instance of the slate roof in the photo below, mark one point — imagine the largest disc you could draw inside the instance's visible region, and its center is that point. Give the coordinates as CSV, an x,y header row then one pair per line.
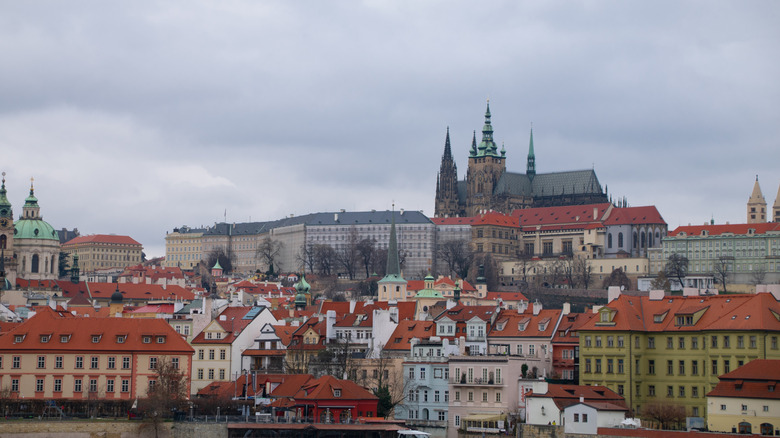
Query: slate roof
x,y
549,184
716,230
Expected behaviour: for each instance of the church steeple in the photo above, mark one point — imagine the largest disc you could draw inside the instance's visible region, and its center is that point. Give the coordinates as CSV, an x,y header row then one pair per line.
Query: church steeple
x,y
487,147
5,205
447,183
473,150
756,205
393,264
531,167
31,209
392,286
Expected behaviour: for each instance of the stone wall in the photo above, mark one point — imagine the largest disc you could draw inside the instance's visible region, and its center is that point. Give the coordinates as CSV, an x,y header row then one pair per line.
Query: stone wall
x,y
108,429
538,431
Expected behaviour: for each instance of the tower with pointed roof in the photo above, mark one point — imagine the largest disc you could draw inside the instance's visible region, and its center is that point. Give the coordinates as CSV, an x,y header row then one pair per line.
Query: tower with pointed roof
x,y
392,286
531,166
7,260
447,204
776,207
756,205
36,243
486,166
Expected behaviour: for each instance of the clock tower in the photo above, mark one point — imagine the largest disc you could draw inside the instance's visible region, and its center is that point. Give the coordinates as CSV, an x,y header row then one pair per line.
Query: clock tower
x,y
7,260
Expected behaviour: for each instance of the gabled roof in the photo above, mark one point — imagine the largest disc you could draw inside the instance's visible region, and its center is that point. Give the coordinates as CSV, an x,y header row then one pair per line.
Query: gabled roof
x,y
130,291
570,325
80,331
290,385
323,389
756,379
508,324
233,321
566,395
634,216
579,215
463,313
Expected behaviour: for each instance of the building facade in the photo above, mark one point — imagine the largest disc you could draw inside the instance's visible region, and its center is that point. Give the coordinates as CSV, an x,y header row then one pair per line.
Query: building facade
x,y
103,251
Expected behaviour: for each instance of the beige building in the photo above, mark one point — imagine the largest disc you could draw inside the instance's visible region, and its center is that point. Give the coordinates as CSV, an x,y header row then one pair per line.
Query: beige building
x,y
102,251
183,248
745,401
756,205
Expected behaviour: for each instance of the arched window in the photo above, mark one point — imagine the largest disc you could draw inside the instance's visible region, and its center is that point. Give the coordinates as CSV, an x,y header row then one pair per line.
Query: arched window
x,y
609,240
745,427
3,241
643,240
620,240
51,271
635,241
767,429
34,264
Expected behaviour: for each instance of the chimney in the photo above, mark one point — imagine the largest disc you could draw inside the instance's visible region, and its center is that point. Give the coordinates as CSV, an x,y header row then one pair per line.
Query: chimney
x,y
595,213
566,309
335,217
522,306
330,319
537,307
582,399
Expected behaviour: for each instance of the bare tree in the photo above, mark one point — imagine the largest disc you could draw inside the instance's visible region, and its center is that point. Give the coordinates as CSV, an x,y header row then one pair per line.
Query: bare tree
x,y
667,415
583,272
348,255
268,252
224,256
307,257
557,272
325,258
489,268
617,278
367,251
758,275
660,282
168,394
722,270
457,256
524,266
677,268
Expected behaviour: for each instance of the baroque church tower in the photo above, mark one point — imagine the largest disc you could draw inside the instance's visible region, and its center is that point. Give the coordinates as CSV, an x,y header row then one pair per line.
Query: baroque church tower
x,y
756,206
447,204
486,165
7,259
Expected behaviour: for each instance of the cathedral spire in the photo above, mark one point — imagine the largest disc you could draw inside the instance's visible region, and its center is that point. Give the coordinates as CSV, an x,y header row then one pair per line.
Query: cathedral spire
x,y
447,149
487,146
393,264
473,152
531,168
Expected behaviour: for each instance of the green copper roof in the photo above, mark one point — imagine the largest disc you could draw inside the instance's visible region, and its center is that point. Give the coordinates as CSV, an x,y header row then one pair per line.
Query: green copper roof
x,y
34,229
302,286
429,293
487,147
393,264
5,205
217,266
531,168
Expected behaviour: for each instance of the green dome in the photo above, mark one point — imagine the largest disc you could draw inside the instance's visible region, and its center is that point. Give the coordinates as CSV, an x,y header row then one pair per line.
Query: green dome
x,y
302,286
34,229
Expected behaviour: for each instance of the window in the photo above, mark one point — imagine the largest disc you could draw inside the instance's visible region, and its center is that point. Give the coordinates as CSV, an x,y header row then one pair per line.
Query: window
x,y
200,373
620,342
446,396
120,339
694,367
484,397
161,339
111,363
125,363
576,418
752,342
587,344
222,354
457,395
774,342
125,385
714,342
670,391
471,396
740,342
669,343
651,366
152,384
436,396
498,397
726,341
222,374
211,354
77,385
422,373
93,362
620,369
442,416
587,366
714,367
110,385
670,367
337,392
39,385
650,342
211,373
681,343
92,385
57,385
152,363
694,343
585,416
682,391
41,361
598,365
744,407
610,366
457,421
722,407
14,385
95,339
175,363
79,362
682,367
200,354
147,339
694,391
598,342
726,366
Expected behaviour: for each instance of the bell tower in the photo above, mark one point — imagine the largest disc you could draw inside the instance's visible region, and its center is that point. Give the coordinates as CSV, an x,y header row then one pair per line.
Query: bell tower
x,y
7,259
486,165
447,203
756,206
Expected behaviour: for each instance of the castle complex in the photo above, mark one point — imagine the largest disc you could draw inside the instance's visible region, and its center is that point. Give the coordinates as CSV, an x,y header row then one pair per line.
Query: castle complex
x,y
488,185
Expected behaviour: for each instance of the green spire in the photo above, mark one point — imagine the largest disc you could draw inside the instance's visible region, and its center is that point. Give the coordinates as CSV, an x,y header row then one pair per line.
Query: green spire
x,y
531,169
5,205
393,265
487,147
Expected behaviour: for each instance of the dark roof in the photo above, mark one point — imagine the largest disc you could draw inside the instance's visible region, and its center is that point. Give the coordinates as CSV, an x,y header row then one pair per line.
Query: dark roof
x,y
549,184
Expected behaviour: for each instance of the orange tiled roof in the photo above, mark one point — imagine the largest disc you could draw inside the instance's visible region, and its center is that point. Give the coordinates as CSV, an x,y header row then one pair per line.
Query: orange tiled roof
x,y
323,387
232,321
715,230
408,329
569,214
80,332
102,238
463,313
634,216
508,324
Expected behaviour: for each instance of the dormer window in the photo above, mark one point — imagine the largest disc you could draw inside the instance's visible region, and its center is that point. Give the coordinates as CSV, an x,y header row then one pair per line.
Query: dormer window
x,y
336,392
147,339
161,339
208,335
18,339
45,339
120,339
64,339
521,326
95,339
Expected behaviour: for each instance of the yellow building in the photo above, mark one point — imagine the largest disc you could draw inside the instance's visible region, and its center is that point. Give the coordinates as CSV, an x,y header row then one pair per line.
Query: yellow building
x,y
183,248
745,400
103,251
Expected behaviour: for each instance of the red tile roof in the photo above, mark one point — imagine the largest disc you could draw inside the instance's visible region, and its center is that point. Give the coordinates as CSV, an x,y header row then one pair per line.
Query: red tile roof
x,y
323,388
756,379
80,332
463,313
715,230
408,329
634,216
232,321
508,323
102,238
570,214
566,395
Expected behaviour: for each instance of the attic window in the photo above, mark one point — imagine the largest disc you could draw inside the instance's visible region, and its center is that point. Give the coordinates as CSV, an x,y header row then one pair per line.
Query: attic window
x,y
336,392
161,339
45,338
95,339
64,339
147,339
18,338
397,340
120,339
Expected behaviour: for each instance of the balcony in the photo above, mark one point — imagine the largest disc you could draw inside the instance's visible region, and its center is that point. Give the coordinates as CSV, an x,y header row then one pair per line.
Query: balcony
x,y
476,382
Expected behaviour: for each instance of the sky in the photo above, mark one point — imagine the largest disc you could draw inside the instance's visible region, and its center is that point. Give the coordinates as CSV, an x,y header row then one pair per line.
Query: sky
x,y
138,117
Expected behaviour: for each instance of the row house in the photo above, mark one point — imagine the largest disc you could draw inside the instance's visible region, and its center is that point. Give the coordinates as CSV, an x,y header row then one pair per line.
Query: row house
x,y
267,353
427,384
671,349
469,323
746,400
55,355
220,345
566,346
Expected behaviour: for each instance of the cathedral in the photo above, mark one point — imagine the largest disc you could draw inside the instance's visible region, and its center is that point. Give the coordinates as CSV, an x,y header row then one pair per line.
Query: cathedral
x,y
488,185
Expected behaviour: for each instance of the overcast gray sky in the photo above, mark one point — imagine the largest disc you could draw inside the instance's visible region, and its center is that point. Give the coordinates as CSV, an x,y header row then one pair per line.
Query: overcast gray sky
x,y
138,117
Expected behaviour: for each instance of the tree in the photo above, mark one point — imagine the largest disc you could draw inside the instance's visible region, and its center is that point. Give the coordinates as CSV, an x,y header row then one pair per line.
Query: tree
x,y
325,258
722,270
62,265
307,258
660,282
367,252
348,255
225,257
617,278
168,394
758,275
677,268
583,272
457,256
666,414
486,263
268,252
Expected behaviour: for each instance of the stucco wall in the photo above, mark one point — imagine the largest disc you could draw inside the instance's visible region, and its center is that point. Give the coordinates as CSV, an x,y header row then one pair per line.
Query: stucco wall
x,y
108,429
